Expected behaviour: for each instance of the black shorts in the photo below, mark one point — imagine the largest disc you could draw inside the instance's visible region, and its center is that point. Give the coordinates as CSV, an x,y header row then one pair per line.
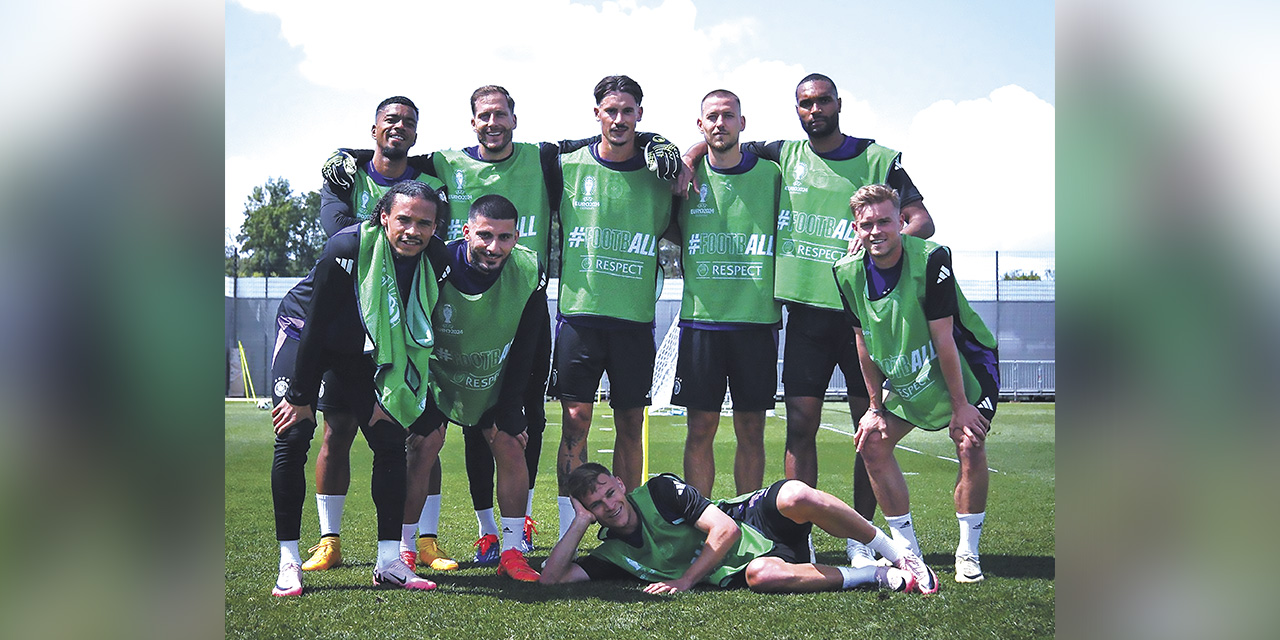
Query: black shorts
x,y
433,418
817,341
582,354
990,385
347,385
760,510
746,358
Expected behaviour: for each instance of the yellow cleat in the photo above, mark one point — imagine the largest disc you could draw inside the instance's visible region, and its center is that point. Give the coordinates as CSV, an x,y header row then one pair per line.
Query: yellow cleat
x,y
326,555
431,555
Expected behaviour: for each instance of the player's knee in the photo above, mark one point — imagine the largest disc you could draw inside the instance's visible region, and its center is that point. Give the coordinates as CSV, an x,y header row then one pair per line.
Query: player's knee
x,y
340,427
876,450
764,574
800,434
801,502
966,445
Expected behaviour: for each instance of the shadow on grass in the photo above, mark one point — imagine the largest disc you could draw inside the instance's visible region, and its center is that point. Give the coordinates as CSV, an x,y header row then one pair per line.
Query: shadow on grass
x,y
1034,567
1002,566
502,588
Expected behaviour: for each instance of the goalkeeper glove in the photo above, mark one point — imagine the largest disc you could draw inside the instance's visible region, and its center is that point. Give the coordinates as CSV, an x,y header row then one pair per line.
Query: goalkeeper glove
x,y
663,158
340,170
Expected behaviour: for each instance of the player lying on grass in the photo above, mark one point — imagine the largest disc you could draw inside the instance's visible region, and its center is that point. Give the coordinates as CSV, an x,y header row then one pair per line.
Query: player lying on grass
x,y
666,533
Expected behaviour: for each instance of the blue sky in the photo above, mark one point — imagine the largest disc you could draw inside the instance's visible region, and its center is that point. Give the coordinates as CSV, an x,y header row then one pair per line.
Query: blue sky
x,y
964,90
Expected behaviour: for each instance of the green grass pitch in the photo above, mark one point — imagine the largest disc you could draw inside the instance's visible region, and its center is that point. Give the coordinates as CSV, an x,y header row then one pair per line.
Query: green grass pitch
x,y
1015,601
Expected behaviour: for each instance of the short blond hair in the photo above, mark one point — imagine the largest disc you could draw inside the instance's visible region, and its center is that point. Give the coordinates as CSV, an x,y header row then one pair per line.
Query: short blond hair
x,y
874,194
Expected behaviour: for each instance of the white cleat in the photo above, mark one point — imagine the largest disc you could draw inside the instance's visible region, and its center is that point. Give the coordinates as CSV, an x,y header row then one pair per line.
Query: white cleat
x,y
289,583
398,575
926,579
968,569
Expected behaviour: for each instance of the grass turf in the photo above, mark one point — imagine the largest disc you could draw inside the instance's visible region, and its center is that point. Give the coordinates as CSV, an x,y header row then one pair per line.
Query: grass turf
x,y
1015,601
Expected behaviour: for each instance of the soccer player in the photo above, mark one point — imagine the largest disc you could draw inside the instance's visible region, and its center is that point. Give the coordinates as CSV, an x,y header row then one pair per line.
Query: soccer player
x,y
668,534
612,213
346,295
915,330
729,318
346,198
815,229
480,366
528,175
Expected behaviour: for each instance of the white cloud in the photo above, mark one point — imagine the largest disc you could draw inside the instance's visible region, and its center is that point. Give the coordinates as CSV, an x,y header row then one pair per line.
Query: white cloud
x,y
452,48
1001,147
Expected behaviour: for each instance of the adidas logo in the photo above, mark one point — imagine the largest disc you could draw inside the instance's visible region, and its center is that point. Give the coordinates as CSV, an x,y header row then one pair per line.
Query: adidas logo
x,y
943,274
345,263
985,404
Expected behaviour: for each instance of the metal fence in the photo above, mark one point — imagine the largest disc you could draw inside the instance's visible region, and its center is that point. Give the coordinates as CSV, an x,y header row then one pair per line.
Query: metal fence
x,y
1019,312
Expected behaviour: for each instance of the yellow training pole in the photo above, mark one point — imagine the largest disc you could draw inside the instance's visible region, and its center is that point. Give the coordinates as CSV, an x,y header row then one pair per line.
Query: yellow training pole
x,y
244,369
644,473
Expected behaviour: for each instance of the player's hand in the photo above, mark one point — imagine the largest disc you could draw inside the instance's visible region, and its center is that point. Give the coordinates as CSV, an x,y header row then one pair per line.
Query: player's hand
x,y
968,423
870,425
680,186
668,586
662,158
491,432
340,170
686,178
285,415
580,512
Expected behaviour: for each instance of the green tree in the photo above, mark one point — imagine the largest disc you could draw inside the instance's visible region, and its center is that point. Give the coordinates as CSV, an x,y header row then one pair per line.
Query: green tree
x,y
1019,274
281,234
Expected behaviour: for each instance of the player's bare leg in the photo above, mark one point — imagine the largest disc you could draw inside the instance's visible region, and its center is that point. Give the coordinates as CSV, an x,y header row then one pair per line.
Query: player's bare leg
x,y
699,450
749,456
333,462
628,447
803,416
974,477
576,425
886,476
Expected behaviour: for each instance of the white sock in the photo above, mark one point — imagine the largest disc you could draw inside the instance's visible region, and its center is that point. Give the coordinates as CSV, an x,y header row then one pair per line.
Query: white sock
x,y
891,549
289,553
970,531
485,519
566,513
856,577
528,507
407,542
388,552
512,532
903,531
429,521
330,510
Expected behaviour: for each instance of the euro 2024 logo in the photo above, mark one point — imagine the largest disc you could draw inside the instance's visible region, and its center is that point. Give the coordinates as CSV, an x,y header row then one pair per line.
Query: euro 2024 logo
x,y
801,170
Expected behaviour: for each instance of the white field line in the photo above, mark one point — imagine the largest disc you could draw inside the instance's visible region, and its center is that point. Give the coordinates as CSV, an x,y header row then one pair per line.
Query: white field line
x,y
829,427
